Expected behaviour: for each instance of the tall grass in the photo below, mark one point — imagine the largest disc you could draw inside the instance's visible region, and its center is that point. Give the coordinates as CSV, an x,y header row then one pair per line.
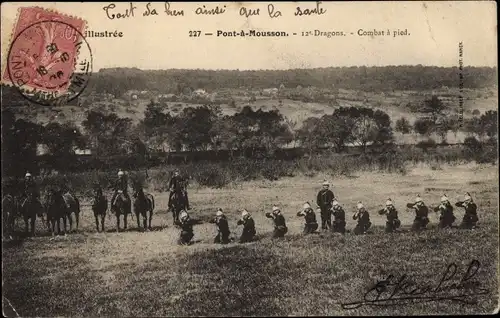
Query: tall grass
x,y
222,174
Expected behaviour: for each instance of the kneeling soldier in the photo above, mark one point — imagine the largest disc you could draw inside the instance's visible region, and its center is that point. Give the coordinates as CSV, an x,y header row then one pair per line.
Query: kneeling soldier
x,y
280,228
339,217
470,217
186,224
222,226
248,227
392,217
310,218
363,218
445,209
421,214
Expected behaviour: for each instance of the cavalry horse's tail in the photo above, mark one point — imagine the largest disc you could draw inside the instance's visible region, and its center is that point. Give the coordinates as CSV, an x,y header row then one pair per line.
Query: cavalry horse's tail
x,y
77,204
151,199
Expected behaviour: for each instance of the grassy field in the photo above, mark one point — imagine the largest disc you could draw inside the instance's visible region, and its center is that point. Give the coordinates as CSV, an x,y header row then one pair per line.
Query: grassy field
x,y
137,273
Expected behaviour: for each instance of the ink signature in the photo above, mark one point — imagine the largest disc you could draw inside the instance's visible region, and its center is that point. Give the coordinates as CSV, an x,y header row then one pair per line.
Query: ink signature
x,y
451,287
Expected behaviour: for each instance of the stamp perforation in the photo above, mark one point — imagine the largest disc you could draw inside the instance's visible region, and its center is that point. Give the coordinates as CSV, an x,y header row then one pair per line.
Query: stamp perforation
x,y
13,35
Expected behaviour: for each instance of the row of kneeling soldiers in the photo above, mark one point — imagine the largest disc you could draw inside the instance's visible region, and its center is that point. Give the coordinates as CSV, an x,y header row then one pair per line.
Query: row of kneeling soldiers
x,y
445,208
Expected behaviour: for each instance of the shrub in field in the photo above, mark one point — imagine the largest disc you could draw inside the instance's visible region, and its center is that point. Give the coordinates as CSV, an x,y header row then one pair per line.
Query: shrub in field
x,y
158,179
403,126
425,145
423,126
244,169
472,147
276,169
212,176
489,152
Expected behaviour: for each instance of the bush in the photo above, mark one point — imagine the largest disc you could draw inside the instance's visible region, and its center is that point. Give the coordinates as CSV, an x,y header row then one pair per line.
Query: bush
x,y
212,176
425,145
471,148
423,126
489,153
274,170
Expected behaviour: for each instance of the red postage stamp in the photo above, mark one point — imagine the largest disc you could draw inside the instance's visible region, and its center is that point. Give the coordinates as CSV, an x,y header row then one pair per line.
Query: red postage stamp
x,y
44,51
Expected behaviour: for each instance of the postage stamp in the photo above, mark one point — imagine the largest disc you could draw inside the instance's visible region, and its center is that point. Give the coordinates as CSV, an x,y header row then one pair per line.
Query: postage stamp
x,y
49,61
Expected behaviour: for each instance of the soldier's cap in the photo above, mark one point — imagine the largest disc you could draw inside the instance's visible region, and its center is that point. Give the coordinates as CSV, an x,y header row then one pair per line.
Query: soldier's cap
x,y
121,173
306,205
183,214
360,205
444,198
335,202
418,199
244,213
467,196
326,183
388,202
219,212
27,175
276,209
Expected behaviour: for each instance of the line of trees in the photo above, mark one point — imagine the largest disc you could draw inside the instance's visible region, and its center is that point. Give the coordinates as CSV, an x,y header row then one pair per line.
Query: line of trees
x,y
206,128
117,81
434,120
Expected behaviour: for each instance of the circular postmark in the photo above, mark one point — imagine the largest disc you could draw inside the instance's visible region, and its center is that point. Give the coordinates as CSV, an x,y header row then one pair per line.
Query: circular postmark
x,y
50,63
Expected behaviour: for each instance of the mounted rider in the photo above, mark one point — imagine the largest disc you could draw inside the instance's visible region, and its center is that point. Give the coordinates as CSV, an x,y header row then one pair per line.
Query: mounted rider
x,y
30,189
177,185
121,186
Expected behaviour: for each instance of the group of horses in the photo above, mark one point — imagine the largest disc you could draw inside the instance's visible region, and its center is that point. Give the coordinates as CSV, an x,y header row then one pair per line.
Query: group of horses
x,y
29,207
57,207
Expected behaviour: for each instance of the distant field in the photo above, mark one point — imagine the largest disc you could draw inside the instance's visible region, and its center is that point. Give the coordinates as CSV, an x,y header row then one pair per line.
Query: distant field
x,y
135,273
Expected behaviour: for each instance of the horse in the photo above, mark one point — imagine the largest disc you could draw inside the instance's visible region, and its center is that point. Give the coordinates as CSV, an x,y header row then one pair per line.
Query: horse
x,y
9,213
121,206
143,203
56,209
30,207
73,205
99,207
178,204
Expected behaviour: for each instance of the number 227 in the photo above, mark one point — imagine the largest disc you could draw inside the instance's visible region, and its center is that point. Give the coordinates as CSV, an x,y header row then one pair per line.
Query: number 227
x,y
195,33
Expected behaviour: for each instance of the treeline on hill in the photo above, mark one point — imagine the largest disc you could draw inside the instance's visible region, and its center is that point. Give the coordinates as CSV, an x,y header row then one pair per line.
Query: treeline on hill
x,y
117,81
249,139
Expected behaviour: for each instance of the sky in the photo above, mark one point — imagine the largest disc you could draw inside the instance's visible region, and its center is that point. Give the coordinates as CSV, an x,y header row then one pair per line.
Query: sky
x,y
163,42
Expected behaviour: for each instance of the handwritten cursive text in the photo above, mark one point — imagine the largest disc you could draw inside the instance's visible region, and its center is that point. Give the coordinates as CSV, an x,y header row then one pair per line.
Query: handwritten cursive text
x,y
174,13
397,291
316,11
213,11
128,12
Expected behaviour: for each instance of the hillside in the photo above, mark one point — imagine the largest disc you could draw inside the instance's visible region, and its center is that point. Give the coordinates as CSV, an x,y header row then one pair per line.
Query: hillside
x,y
364,78
400,91
397,104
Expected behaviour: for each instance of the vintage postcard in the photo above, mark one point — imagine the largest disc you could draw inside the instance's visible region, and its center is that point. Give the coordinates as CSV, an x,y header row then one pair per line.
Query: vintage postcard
x,y
166,159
